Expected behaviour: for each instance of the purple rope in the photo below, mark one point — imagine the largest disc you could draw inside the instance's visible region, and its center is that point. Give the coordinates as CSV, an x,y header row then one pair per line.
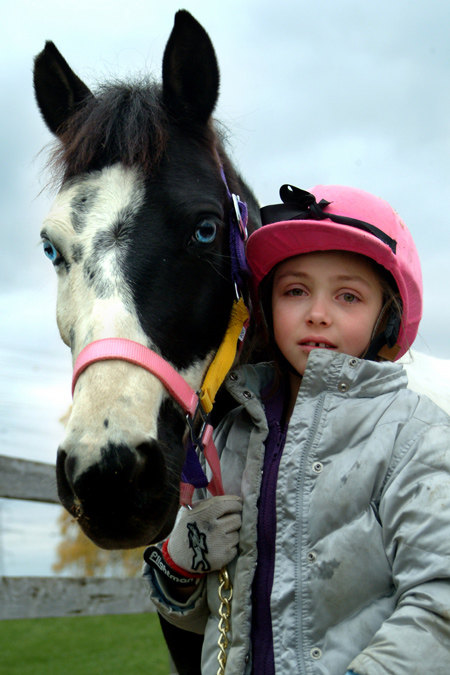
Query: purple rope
x,y
192,471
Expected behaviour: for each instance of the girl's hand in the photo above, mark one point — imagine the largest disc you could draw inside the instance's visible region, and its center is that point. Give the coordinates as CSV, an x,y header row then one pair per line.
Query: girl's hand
x,y
206,536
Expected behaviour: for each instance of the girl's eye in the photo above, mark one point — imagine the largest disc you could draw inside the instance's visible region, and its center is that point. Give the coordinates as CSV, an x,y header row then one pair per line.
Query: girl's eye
x,y
51,252
296,292
349,297
205,232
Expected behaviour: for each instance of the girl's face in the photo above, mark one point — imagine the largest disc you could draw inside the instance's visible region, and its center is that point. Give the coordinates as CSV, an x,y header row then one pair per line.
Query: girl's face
x,y
325,300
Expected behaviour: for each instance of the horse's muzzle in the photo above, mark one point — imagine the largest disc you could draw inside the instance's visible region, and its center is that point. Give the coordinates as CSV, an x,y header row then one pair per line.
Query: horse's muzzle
x,y
127,497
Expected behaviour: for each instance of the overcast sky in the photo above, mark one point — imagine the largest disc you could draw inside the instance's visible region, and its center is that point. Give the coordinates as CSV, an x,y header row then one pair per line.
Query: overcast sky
x,y
351,92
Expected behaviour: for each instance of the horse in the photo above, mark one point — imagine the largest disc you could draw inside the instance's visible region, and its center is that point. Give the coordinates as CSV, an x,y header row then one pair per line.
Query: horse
x,y
138,235
142,238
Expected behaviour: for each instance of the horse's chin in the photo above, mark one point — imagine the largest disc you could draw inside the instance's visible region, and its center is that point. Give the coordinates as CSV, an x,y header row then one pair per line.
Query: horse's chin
x,y
113,531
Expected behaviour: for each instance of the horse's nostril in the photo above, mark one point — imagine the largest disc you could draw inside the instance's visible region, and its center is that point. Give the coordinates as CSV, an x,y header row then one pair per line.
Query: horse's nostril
x,y
65,467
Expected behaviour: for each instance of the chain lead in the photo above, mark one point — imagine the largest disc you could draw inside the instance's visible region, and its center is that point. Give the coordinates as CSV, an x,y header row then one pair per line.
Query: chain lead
x,y
225,594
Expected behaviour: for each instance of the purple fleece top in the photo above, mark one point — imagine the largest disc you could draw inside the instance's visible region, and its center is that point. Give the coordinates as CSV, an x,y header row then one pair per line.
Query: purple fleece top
x,y
262,638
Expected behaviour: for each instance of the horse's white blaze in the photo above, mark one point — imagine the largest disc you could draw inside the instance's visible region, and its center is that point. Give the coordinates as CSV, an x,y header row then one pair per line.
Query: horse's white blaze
x,y
114,402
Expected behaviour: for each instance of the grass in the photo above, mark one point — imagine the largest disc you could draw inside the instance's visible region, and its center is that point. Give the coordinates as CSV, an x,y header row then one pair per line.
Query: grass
x,y
103,645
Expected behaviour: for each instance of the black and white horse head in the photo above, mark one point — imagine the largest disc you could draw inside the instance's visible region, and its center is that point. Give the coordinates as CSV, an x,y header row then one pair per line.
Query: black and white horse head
x,y
138,238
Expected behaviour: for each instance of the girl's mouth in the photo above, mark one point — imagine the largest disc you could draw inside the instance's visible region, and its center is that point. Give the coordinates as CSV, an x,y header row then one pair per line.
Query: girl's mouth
x,y
321,345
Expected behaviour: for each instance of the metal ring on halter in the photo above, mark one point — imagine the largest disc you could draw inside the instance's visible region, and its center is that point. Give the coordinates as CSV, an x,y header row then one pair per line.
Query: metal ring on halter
x,y
237,292
237,212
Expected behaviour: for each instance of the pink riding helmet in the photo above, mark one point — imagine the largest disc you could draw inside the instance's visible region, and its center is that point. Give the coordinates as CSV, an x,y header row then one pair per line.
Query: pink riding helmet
x,y
333,217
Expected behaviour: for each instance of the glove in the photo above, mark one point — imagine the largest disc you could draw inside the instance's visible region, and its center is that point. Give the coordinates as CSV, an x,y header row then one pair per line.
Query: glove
x,y
204,539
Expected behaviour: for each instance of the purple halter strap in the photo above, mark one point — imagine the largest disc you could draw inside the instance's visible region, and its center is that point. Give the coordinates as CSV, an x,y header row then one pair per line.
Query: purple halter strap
x,y
238,237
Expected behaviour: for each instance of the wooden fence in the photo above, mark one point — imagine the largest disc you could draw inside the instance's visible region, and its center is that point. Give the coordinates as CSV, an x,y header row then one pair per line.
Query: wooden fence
x,y
38,597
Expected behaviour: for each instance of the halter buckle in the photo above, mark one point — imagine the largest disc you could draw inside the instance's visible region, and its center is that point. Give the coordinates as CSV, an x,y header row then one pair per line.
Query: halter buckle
x,y
200,417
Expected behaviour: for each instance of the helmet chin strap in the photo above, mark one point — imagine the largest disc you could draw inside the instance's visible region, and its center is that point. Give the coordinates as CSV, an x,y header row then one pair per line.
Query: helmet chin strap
x,y
383,345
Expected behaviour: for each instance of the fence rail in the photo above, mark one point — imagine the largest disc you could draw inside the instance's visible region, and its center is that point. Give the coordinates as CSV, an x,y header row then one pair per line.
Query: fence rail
x,y
31,481
38,597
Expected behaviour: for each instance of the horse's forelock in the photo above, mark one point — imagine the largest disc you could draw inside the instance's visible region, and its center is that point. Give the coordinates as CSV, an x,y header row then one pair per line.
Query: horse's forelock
x,y
123,123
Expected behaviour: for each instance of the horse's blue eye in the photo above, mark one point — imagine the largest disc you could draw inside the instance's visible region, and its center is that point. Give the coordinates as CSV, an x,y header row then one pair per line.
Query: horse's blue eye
x,y
51,252
206,232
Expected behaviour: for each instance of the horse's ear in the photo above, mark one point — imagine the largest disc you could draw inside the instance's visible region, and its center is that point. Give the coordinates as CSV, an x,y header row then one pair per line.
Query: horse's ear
x,y
59,92
190,71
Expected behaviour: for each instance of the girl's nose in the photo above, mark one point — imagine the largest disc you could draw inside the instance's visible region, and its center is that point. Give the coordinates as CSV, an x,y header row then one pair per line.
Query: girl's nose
x,y
318,313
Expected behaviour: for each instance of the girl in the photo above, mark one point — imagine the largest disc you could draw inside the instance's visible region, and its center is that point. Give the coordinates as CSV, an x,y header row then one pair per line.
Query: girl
x,y
340,561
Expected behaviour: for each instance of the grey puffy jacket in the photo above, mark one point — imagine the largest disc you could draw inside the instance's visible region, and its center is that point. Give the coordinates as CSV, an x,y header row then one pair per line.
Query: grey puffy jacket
x,y
362,570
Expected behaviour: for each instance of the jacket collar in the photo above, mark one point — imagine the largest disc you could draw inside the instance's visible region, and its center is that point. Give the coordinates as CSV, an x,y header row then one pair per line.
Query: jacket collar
x,y
327,371
349,376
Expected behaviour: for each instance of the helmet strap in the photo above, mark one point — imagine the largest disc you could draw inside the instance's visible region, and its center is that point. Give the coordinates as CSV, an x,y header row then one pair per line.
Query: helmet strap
x,y
388,353
383,345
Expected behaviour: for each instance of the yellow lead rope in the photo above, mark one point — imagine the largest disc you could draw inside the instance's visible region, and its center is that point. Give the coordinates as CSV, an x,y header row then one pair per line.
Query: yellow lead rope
x,y
225,356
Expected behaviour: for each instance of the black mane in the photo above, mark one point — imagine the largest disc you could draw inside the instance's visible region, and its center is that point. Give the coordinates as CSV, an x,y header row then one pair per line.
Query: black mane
x,y
128,123
122,122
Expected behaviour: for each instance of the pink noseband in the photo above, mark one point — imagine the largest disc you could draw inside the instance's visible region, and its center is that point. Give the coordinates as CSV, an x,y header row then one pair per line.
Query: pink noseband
x,y
139,355
133,352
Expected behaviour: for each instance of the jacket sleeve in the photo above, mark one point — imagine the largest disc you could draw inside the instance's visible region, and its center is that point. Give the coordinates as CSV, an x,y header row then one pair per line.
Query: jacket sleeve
x,y
190,615
415,515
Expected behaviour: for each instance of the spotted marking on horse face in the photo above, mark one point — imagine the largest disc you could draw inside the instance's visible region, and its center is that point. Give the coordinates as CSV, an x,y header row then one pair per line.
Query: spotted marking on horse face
x,y
103,287
108,213
90,224
110,242
82,203
77,253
